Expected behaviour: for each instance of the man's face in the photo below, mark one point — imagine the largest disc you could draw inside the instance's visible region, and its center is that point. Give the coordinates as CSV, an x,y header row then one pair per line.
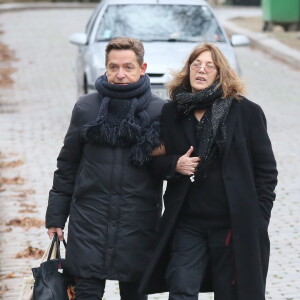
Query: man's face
x,y
122,67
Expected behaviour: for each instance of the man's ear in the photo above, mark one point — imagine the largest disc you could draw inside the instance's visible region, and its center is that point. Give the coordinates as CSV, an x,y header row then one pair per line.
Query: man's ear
x,y
143,68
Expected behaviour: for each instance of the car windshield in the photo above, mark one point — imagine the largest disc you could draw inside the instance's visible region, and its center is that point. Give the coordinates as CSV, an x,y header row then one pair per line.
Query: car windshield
x,y
182,23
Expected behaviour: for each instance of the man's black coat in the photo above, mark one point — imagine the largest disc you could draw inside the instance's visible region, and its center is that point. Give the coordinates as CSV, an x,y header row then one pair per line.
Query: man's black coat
x,y
114,207
250,176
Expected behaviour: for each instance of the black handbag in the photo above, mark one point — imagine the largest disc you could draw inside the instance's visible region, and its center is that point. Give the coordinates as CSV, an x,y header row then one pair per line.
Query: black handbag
x,y
51,281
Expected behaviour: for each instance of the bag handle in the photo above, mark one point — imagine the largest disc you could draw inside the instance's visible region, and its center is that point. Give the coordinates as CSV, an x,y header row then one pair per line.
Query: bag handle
x,y
46,253
56,242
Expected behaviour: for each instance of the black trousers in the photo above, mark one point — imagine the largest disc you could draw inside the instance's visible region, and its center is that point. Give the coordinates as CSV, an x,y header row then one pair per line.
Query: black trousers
x,y
93,289
191,250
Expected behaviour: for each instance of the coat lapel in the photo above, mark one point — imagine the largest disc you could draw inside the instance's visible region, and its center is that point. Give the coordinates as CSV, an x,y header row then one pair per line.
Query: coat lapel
x,y
188,127
231,124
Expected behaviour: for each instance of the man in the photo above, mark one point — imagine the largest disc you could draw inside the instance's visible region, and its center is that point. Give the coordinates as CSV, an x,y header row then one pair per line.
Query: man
x,y
103,181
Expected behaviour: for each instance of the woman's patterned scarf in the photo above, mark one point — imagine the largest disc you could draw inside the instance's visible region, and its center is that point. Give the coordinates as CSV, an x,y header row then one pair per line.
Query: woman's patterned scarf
x,y
211,124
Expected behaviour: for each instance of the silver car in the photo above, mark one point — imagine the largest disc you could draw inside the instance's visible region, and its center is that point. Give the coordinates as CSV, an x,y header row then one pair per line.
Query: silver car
x,y
169,29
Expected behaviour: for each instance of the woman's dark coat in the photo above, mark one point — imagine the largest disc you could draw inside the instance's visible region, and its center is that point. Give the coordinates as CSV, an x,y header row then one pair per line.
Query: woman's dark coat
x,y
114,207
250,176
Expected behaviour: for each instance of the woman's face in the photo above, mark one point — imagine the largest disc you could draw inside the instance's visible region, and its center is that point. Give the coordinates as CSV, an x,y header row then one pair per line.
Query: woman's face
x,y
202,72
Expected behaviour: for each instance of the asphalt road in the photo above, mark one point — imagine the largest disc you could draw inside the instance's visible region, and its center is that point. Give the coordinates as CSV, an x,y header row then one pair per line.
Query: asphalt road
x,y
34,115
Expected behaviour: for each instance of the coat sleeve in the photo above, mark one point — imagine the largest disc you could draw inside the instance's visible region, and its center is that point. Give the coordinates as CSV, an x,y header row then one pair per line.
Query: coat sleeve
x,y
163,167
264,164
68,161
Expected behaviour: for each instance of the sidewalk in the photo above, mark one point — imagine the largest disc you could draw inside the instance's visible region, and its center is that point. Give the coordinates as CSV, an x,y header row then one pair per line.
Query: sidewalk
x,y
260,40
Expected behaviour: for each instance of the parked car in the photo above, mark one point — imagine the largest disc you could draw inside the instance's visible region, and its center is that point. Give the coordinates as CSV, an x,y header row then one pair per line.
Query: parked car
x,y
169,29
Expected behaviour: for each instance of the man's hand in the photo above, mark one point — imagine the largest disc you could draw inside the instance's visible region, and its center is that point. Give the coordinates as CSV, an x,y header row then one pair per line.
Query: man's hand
x,y
186,165
161,150
52,230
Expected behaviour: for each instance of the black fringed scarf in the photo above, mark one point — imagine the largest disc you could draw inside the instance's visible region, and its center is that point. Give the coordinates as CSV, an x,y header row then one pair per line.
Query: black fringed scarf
x,y
123,120
212,122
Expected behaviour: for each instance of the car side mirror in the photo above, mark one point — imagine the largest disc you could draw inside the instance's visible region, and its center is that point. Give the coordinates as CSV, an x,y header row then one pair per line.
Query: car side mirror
x,y
78,39
239,40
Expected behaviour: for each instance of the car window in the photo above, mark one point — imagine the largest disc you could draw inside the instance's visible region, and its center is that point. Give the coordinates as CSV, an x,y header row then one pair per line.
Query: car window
x,y
91,21
191,23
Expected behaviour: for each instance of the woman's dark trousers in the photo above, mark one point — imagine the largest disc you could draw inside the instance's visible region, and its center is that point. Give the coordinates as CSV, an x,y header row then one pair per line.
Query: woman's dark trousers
x,y
93,289
191,251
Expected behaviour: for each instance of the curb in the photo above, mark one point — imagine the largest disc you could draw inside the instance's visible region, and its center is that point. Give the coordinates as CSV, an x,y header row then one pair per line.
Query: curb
x,y
12,7
269,45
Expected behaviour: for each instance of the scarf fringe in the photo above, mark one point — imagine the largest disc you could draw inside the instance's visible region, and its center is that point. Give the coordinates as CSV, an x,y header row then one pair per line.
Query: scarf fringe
x,y
132,130
140,152
115,134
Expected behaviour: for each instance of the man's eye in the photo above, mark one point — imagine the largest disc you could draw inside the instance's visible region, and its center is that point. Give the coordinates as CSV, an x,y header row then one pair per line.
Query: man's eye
x,y
113,68
129,68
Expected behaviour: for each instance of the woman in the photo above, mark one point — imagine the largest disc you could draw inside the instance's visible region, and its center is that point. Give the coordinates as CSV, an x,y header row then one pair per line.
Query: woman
x,y
221,175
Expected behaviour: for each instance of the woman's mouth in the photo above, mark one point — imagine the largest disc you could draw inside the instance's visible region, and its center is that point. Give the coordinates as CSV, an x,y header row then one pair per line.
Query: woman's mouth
x,y
200,78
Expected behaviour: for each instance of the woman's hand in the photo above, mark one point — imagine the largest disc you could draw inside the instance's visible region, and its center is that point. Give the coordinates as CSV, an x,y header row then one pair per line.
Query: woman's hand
x,y
161,150
186,165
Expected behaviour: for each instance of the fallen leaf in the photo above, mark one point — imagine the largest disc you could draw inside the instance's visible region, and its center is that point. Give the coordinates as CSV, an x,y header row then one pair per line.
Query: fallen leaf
x,y
27,222
5,77
28,205
11,164
27,210
25,193
6,54
15,180
30,252
10,275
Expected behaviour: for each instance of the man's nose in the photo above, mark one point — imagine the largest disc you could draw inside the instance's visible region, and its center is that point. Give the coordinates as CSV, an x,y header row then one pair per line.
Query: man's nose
x,y
121,73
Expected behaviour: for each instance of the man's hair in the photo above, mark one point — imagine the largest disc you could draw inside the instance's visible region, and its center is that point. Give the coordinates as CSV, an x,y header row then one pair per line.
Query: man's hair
x,y
125,43
230,83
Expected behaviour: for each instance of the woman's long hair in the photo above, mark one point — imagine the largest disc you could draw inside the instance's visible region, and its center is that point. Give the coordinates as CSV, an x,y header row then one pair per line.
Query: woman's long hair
x,y
231,84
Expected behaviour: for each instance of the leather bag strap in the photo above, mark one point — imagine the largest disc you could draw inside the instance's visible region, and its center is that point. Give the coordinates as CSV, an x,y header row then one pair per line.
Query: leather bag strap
x,y
56,243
